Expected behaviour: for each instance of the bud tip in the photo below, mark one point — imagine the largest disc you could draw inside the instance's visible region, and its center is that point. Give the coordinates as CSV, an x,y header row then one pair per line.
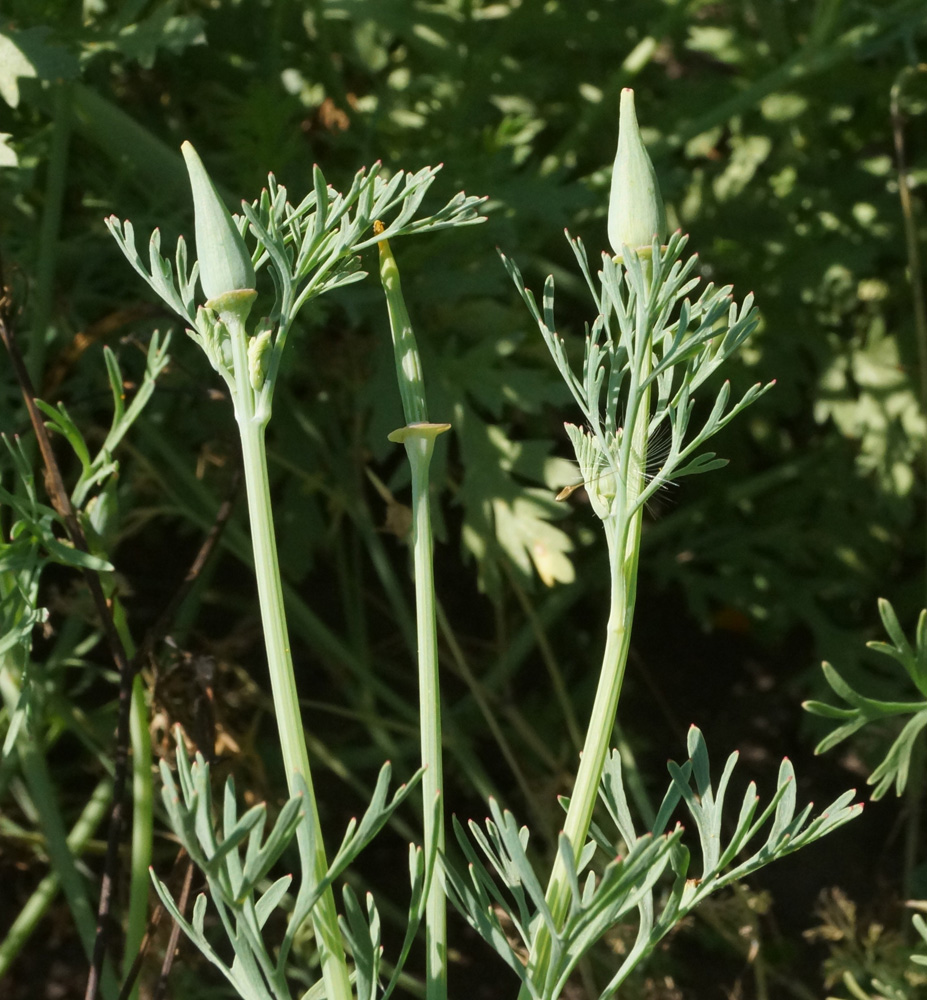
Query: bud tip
x,y
635,213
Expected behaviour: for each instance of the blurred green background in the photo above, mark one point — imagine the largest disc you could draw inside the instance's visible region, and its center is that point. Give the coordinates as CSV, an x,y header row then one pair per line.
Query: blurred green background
x,y
772,131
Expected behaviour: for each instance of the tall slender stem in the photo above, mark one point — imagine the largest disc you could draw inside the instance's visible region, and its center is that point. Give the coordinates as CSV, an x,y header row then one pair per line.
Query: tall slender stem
x,y
419,447
418,436
280,664
597,742
623,535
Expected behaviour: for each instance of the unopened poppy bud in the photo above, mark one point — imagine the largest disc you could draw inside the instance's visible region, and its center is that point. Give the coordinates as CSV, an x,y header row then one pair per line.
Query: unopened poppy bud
x,y
225,264
635,208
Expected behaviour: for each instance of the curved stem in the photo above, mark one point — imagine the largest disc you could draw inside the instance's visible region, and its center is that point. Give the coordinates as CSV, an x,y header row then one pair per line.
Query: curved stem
x,y
623,534
598,737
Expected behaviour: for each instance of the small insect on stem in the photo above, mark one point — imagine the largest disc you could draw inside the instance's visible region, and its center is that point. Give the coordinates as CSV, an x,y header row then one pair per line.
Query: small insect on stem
x,y
568,491
658,449
603,473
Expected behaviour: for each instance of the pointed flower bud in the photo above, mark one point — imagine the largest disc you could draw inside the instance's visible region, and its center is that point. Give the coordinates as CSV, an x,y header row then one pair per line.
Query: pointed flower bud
x,y
225,264
635,207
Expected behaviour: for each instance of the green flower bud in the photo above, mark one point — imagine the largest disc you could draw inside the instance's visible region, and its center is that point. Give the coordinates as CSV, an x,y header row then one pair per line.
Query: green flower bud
x,y
635,208
225,264
259,348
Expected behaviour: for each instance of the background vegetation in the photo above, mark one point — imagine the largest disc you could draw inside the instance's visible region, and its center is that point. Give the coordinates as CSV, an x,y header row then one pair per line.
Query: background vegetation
x,y
771,129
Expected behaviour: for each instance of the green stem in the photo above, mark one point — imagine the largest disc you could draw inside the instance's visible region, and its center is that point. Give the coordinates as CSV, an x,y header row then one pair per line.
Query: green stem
x,y
623,535
419,443
418,436
595,747
280,664
604,709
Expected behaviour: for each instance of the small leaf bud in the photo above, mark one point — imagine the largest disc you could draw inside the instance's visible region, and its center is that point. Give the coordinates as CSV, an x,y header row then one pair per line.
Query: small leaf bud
x,y
259,348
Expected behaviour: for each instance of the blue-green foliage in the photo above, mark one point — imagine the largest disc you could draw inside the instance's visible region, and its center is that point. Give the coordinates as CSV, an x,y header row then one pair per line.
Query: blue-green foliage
x,y
238,888
863,711
617,878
